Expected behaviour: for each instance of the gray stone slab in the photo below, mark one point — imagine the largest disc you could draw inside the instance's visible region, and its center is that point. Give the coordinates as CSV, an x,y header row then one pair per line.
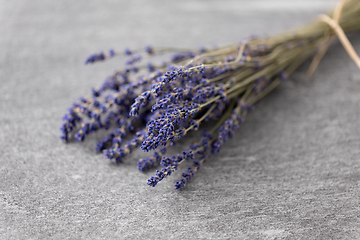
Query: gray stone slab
x,y
291,171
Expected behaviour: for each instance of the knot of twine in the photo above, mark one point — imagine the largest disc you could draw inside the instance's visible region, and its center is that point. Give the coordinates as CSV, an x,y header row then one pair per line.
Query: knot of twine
x,y
334,24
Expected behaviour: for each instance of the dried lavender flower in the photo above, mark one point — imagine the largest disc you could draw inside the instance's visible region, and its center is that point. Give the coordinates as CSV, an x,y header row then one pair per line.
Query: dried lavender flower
x,y
159,104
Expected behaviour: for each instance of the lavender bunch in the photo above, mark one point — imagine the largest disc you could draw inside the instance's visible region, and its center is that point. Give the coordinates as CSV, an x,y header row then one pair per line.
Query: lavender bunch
x,y
158,104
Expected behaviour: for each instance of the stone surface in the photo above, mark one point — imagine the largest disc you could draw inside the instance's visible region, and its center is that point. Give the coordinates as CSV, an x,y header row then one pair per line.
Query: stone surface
x,y
292,170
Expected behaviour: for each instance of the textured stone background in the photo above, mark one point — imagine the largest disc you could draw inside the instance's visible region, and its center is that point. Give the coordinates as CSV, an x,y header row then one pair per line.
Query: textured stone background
x,y
292,171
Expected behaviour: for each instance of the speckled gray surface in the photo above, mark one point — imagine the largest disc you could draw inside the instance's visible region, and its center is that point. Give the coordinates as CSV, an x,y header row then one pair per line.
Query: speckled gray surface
x,y
292,170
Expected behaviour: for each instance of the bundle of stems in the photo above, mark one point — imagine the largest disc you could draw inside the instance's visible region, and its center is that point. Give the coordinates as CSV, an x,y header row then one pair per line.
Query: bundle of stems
x,y
160,104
